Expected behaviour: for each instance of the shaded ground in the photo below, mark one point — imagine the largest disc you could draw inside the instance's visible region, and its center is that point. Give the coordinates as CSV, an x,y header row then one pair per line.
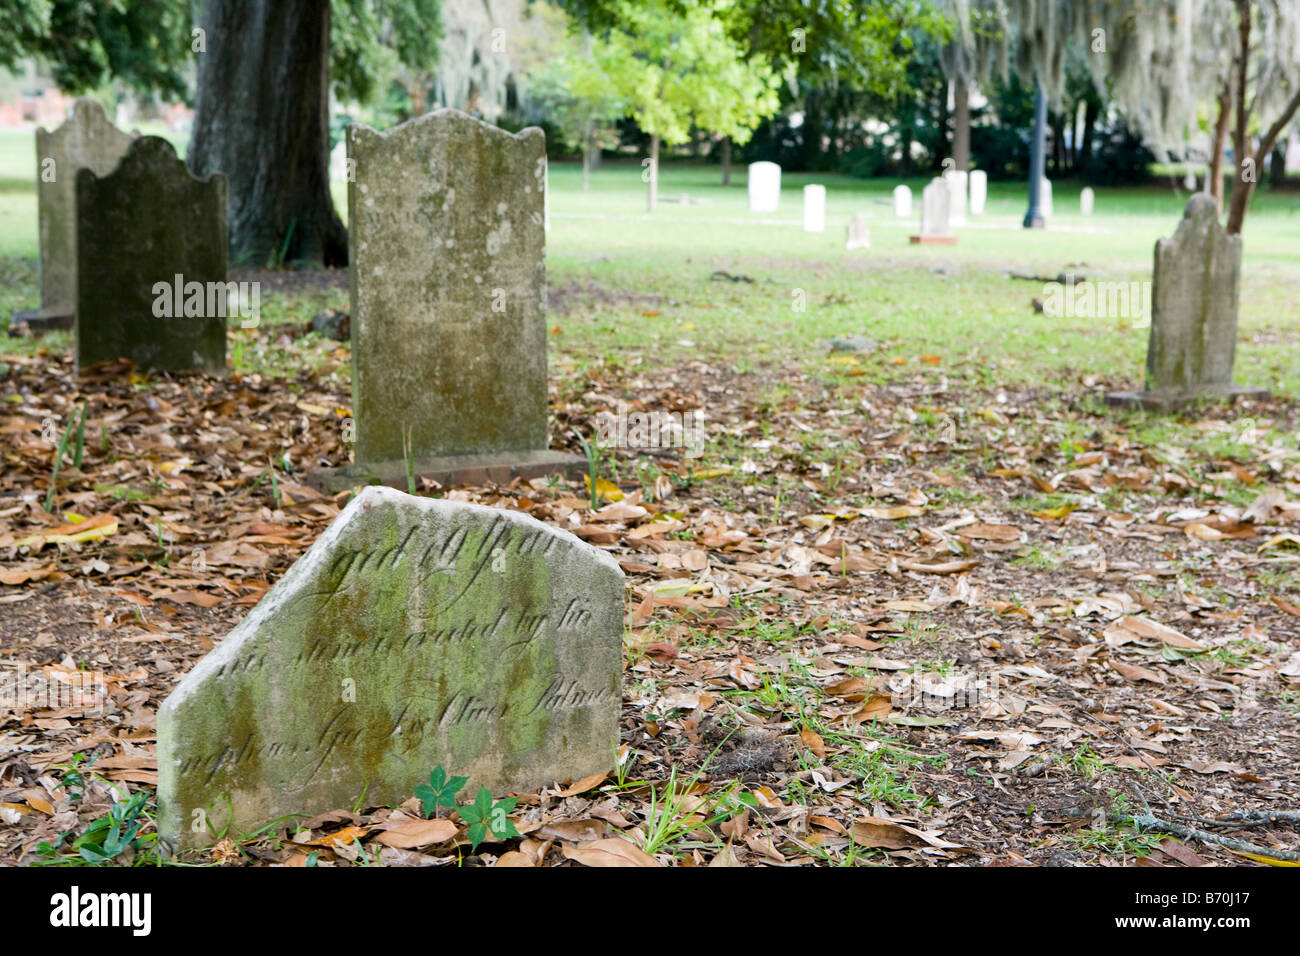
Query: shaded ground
x,y
895,613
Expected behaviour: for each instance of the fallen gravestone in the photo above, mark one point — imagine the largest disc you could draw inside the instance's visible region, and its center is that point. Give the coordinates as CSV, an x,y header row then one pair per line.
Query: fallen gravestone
x,y
902,201
814,209
935,201
764,187
979,191
448,281
414,633
86,140
151,263
857,235
1194,297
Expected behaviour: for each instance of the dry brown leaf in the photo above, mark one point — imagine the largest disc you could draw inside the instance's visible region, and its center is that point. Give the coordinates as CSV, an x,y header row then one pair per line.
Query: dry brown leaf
x,y
608,852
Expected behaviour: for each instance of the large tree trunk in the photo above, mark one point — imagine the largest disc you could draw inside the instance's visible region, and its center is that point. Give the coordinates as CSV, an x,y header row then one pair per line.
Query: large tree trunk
x,y
262,118
961,126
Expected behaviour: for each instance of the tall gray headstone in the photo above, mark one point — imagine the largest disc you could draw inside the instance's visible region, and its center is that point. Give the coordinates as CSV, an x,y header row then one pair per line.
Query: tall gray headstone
x,y
1194,297
414,633
87,140
151,263
448,274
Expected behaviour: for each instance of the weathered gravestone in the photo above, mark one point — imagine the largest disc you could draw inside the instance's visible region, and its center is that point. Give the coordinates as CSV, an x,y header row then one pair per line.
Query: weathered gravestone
x,y
1086,200
814,209
979,191
902,201
764,187
151,263
446,234
414,633
857,236
1194,296
935,200
86,140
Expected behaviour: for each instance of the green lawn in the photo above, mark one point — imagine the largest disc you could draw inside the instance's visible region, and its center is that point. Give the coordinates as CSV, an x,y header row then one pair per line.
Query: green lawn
x,y
953,302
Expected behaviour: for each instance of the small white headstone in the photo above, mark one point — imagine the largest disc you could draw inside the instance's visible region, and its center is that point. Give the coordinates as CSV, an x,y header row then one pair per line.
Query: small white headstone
x,y
764,187
979,191
339,162
902,201
1045,198
857,236
935,205
814,209
1086,199
956,180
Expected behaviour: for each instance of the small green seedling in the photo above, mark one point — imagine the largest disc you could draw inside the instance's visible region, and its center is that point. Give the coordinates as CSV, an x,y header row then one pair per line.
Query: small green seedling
x,y
484,817
440,791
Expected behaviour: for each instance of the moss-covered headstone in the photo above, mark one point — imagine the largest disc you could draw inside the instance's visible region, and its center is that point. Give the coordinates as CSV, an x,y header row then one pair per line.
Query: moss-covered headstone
x,y
86,140
446,232
415,633
151,263
1194,294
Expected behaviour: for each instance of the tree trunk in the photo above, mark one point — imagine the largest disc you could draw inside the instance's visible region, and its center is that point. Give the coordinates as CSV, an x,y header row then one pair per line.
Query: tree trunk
x,y
262,118
812,132
1089,122
961,126
1214,180
726,161
652,198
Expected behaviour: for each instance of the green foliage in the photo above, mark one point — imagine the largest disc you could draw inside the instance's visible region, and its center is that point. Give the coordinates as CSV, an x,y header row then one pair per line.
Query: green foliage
x,y
143,43
373,41
439,792
674,64
110,840
486,817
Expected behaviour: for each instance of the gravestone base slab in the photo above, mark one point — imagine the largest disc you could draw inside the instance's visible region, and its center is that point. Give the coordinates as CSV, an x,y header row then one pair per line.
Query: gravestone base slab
x,y
40,321
496,468
934,240
1170,401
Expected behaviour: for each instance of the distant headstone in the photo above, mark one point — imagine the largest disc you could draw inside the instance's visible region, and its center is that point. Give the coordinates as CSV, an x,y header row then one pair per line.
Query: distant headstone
x,y
979,191
1189,181
1194,298
414,633
902,201
857,236
814,209
956,180
339,162
764,187
1086,199
448,280
151,263
87,140
1045,198
935,200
